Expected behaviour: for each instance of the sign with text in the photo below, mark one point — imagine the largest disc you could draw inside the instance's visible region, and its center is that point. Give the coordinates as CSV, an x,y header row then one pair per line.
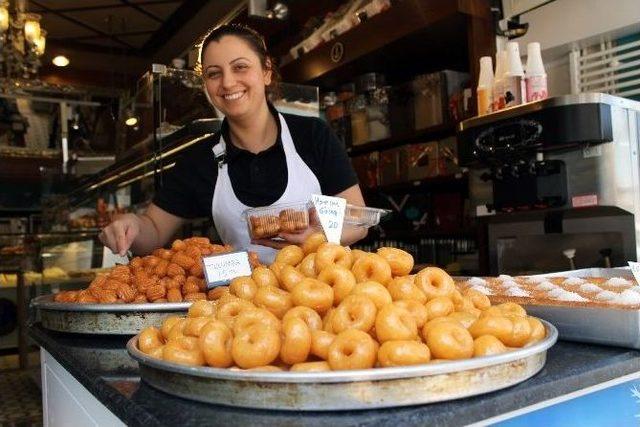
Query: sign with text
x,y
330,211
109,259
220,269
635,269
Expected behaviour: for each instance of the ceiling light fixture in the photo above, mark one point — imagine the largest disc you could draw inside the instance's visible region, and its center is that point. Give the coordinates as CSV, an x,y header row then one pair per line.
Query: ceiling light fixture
x,y
60,61
22,40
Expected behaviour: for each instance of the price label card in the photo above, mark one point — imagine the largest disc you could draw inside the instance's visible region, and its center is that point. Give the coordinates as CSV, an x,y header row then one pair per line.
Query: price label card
x,y
219,270
330,210
109,259
635,269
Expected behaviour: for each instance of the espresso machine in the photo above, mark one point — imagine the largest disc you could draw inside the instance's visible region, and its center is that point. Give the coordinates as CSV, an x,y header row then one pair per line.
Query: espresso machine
x,y
555,183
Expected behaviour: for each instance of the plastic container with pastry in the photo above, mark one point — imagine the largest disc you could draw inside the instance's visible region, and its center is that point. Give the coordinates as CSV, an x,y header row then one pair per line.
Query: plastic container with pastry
x,y
269,221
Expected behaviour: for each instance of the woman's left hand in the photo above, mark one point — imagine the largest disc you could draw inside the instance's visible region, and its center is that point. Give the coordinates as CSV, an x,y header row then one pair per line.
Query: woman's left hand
x,y
287,239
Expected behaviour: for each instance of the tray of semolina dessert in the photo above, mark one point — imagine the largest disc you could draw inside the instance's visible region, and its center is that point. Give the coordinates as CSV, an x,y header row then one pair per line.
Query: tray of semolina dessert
x,y
329,328
128,298
595,305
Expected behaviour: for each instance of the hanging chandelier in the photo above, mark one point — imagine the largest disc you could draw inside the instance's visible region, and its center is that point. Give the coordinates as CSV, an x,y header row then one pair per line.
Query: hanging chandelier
x,y
22,41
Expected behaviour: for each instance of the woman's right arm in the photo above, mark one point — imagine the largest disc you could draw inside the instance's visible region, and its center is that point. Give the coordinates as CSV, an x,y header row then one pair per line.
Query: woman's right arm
x,y
142,233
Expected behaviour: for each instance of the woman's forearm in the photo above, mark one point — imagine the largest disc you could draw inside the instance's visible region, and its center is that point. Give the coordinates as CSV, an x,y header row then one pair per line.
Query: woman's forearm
x,y
351,235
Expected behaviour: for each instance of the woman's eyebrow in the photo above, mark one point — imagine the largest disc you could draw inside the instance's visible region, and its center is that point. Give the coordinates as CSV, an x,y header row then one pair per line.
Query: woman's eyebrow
x,y
237,59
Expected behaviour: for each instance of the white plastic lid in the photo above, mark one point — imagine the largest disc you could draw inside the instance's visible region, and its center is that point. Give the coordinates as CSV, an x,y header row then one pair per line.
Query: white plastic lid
x,y
486,72
514,64
535,67
501,64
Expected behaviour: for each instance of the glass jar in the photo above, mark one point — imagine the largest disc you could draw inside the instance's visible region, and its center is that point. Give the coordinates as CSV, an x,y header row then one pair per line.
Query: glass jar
x,y
371,85
359,122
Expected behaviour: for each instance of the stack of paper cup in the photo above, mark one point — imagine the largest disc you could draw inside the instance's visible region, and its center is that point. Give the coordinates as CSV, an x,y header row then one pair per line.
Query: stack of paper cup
x,y
536,81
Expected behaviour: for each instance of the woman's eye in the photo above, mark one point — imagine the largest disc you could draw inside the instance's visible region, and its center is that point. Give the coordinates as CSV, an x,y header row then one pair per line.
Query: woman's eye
x,y
213,74
241,67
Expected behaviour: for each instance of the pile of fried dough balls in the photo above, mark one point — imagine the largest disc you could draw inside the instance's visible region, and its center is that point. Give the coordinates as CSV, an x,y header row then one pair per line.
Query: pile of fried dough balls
x,y
321,307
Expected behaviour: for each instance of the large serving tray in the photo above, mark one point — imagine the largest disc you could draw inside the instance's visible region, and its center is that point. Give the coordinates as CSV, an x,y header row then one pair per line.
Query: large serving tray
x,y
104,319
610,326
345,390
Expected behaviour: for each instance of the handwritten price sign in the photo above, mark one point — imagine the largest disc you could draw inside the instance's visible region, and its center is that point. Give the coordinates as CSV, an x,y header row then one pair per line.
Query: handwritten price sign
x,y
330,210
219,270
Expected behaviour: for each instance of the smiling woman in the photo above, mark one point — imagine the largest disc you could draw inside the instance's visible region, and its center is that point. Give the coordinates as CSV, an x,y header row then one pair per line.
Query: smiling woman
x,y
258,158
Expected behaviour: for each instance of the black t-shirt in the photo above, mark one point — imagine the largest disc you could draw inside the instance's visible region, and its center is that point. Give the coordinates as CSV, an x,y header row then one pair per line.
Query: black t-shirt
x,y
257,179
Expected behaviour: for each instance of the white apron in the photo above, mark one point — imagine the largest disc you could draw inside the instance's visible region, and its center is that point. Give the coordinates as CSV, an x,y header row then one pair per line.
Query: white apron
x,y
227,210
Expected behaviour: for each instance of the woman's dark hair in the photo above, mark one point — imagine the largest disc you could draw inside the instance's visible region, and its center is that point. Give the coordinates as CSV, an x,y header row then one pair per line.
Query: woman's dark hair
x,y
255,41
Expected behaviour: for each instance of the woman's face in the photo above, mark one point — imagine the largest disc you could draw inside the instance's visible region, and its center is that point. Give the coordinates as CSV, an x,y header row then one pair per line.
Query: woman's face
x,y
234,77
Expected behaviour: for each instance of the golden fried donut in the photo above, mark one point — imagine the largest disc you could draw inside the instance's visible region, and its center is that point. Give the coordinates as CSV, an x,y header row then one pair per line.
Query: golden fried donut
x,y
156,353
217,293
255,346
307,315
520,333
276,267
439,307
194,325
149,339
274,299
327,320
352,349
512,309
354,312
374,290
215,341
200,309
401,262
314,294
417,310
488,345
357,253
256,316
395,323
403,353
372,267
403,288
290,277
308,265
264,277
320,343
320,366
296,341
467,319
498,326
194,296
184,351
168,323
313,242
243,287
435,282
478,299
227,311
291,255
431,323
449,341
177,330
329,254
538,331
341,279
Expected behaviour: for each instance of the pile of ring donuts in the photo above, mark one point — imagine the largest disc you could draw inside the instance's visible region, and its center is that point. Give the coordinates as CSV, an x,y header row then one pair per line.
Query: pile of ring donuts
x,y
167,275
322,307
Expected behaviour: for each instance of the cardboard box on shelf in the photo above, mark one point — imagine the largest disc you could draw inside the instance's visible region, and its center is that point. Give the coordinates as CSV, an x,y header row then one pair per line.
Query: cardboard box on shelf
x,y
448,156
422,160
431,96
393,166
366,167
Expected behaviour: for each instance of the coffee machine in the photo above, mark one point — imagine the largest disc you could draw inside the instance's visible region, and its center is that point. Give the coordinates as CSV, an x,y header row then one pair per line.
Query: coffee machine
x,y
561,176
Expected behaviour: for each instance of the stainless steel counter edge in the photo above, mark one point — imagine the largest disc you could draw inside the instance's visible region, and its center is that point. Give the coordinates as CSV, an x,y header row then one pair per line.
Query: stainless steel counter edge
x,y
556,101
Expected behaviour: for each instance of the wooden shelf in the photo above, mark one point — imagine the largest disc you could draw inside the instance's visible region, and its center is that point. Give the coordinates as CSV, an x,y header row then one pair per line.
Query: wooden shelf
x,y
420,234
437,184
424,135
412,35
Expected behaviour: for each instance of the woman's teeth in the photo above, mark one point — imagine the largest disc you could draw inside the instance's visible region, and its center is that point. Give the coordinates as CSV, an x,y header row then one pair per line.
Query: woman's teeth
x,y
233,96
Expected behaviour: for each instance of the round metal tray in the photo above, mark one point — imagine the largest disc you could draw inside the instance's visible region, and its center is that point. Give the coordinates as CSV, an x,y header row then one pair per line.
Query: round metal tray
x,y
346,390
103,319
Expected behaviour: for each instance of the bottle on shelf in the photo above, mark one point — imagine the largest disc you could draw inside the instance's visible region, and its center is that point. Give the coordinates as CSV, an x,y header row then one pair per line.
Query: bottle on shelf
x,y
514,87
498,92
485,86
536,77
